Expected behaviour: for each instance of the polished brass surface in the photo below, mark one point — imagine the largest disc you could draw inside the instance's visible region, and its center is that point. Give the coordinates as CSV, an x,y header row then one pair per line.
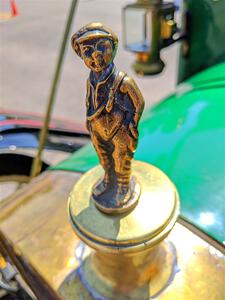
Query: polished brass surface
x,y
148,223
39,229
34,219
114,107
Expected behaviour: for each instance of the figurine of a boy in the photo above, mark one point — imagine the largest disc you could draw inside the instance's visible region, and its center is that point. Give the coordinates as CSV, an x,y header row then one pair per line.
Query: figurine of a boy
x,y
114,106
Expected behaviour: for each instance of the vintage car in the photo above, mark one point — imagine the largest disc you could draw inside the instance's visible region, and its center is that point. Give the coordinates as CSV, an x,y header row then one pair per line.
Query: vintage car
x,y
183,135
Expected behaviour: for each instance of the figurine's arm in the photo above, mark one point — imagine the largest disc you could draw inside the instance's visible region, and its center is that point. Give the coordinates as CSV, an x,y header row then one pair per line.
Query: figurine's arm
x,y
129,86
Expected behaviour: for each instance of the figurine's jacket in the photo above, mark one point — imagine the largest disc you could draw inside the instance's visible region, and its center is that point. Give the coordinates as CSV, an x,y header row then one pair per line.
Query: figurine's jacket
x,y
104,118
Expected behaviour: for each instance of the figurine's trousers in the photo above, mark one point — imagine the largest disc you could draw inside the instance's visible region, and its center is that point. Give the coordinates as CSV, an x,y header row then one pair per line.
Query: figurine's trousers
x,y
115,155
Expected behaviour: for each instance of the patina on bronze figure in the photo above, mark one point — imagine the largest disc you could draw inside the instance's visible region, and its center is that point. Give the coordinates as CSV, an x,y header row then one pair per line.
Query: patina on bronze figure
x,y
114,107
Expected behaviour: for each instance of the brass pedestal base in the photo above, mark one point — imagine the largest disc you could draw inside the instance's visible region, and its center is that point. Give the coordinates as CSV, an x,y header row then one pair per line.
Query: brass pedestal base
x,y
129,261
86,284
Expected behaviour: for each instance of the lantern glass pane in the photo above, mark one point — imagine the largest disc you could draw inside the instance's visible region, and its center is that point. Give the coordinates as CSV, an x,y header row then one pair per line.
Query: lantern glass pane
x,y
137,29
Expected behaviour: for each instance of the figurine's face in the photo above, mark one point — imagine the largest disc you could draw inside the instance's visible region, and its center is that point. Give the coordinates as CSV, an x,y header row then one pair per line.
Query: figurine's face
x,y
97,54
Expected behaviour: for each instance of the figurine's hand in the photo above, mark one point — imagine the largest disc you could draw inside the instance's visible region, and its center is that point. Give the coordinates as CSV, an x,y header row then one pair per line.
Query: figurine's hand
x,y
133,130
136,119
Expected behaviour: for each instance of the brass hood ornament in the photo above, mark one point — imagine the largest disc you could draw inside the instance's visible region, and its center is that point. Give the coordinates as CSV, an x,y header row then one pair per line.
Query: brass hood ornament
x,y
122,213
114,107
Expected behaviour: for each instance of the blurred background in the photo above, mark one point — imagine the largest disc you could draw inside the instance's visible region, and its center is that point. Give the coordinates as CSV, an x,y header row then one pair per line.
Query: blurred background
x,y
29,46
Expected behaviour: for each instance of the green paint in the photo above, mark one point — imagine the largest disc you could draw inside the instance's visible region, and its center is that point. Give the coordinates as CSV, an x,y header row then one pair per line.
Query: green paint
x,y
207,37
185,137
213,76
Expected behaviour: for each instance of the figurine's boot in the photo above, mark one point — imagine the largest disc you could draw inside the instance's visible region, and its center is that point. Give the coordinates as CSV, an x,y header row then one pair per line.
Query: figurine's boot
x,y
104,152
122,159
101,186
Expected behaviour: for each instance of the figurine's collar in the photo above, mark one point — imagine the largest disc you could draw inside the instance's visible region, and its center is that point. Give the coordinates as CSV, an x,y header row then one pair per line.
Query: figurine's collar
x,y
104,76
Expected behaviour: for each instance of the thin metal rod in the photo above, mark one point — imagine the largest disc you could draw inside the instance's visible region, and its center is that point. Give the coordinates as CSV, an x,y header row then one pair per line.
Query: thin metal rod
x,y
37,161
149,1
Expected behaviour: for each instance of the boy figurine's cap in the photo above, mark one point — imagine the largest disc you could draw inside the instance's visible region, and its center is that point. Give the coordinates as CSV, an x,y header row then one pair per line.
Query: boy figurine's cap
x,y
93,31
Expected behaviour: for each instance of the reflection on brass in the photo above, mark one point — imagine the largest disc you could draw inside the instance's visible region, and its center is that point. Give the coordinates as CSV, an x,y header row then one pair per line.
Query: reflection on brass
x,y
143,57
130,280
167,28
114,107
2,262
197,273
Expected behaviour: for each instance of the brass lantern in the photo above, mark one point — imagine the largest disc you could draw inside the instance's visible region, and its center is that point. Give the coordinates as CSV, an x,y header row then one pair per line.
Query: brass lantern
x,y
148,26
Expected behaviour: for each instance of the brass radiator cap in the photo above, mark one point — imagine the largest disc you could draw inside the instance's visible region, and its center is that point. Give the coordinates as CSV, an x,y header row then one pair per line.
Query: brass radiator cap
x,y
143,227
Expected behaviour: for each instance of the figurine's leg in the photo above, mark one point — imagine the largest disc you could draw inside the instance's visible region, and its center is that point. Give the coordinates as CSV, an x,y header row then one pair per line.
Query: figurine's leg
x,y
104,150
122,155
